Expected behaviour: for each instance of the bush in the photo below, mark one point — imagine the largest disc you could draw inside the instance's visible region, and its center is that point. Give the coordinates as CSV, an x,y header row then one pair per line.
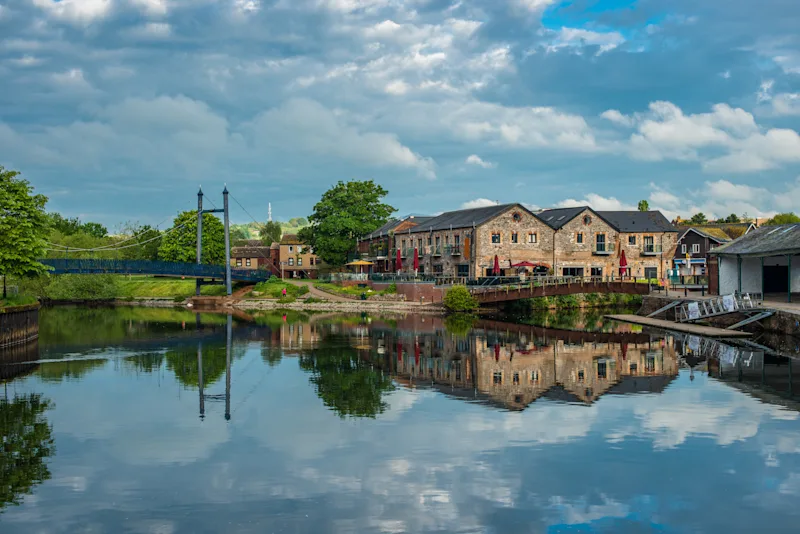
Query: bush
x,y
314,300
459,299
391,290
288,299
82,287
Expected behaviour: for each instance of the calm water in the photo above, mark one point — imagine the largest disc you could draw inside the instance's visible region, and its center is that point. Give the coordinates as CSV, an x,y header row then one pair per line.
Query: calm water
x,y
135,420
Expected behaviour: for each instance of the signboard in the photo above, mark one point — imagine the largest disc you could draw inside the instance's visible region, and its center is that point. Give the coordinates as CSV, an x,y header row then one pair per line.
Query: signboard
x,y
693,310
729,303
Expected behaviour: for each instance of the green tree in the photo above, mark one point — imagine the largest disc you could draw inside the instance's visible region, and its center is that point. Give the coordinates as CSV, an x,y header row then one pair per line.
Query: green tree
x,y
698,218
23,227
459,299
27,441
145,238
63,225
180,245
94,229
239,233
183,362
345,383
271,233
783,218
345,212
732,218
644,205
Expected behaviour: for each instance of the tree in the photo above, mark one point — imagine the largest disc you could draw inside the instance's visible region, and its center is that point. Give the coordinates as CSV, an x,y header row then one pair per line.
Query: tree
x,y
271,233
238,233
644,205
698,218
783,218
94,229
146,239
345,212
63,225
459,299
23,227
180,244
732,218
27,440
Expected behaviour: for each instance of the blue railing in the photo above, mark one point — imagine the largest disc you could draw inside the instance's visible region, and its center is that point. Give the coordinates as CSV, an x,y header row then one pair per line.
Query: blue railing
x,y
157,268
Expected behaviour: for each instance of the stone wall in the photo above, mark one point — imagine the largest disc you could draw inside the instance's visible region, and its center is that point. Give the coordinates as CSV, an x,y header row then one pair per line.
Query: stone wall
x,y
571,253
19,325
414,292
508,252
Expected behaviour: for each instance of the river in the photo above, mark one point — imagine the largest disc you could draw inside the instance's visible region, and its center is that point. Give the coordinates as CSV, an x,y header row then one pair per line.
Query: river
x,y
163,421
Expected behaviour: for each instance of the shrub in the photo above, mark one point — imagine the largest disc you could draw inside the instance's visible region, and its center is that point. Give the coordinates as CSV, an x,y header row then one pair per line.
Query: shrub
x,y
288,299
82,287
391,290
459,299
302,290
314,300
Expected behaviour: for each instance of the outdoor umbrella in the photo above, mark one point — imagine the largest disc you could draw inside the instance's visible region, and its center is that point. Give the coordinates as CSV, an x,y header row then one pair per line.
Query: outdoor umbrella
x,y
416,353
623,264
496,352
416,260
399,352
359,264
496,265
398,262
624,351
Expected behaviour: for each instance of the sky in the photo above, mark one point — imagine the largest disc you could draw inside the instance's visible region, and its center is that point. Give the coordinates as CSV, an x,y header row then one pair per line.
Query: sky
x,y
118,110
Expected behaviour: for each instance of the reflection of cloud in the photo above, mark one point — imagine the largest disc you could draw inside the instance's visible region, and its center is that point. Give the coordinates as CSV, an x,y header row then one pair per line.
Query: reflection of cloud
x,y
574,513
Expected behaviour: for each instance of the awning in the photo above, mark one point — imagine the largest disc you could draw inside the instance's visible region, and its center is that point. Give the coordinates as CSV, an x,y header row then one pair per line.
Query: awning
x,y
694,261
358,263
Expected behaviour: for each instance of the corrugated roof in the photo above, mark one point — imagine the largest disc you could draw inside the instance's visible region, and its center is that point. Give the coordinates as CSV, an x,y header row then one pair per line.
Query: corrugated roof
x,y
464,218
556,218
764,241
637,221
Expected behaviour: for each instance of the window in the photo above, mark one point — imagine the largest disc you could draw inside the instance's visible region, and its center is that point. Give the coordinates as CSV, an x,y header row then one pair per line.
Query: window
x,y
683,249
572,271
597,271
579,238
696,248
600,242
457,240
497,377
514,237
581,375
403,245
299,262
463,270
495,238
299,249
517,217
532,237
634,368
430,241
587,220
311,260
437,241
419,243
291,261
534,376
291,248
515,378
651,273
247,262
447,239
601,370
238,262
632,240
438,269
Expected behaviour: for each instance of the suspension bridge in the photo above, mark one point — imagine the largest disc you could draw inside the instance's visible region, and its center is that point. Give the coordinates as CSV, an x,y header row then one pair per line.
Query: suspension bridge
x,y
201,272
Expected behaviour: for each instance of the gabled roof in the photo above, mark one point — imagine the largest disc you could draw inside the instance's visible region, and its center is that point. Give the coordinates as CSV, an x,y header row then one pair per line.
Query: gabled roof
x,y
715,234
393,223
637,221
465,218
290,239
764,241
556,218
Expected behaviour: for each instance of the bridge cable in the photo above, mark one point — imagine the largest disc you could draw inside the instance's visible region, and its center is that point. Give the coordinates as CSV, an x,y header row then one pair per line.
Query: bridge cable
x,y
268,258
105,248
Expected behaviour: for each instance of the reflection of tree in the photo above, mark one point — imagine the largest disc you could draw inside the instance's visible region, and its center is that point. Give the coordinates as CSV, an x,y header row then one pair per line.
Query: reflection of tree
x,y
271,355
26,442
183,362
69,370
345,383
145,363
459,324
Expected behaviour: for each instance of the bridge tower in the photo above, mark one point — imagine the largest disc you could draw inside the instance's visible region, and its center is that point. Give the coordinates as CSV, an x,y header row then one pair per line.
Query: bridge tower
x,y
225,212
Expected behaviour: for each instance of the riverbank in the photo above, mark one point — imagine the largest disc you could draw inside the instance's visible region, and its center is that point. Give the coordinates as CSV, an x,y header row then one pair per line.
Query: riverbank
x,y
19,325
339,305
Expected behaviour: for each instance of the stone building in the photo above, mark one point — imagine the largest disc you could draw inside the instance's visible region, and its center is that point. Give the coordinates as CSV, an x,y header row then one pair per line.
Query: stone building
x,y
296,259
591,243
379,246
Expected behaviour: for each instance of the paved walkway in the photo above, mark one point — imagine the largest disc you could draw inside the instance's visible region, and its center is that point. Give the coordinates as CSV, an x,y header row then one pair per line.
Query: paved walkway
x,y
316,293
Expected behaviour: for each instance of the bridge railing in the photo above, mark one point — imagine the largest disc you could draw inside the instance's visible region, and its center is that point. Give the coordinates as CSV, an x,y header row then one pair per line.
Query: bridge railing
x,y
143,267
513,283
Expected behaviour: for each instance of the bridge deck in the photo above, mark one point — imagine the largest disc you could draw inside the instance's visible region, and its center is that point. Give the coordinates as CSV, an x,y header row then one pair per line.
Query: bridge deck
x,y
555,286
152,268
698,330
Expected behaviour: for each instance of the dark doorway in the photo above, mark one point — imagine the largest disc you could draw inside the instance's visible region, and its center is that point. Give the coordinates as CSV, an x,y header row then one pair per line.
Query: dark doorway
x,y
776,279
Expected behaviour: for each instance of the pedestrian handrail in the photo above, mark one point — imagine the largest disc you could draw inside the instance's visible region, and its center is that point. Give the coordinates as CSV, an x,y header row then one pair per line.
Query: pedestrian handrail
x,y
157,268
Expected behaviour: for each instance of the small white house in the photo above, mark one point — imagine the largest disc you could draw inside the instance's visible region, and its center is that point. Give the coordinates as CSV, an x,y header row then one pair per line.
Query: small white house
x,y
764,261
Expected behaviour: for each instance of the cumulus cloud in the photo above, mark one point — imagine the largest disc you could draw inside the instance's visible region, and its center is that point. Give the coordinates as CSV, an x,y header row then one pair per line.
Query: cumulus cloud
x,y
478,203
786,104
578,38
474,159
596,202
75,11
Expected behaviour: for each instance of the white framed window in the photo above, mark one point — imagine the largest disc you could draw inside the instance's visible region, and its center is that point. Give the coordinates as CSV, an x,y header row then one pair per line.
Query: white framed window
x,y
696,248
291,248
300,262
291,261
238,262
532,237
683,249
247,262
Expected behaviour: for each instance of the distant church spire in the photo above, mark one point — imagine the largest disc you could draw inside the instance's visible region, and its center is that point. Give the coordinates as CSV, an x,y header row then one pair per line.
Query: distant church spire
x,y
269,211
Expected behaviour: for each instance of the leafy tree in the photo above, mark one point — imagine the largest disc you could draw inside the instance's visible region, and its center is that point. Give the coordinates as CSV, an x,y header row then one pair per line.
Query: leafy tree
x,y
180,245
345,212
271,232
732,218
183,362
27,441
343,381
63,225
239,233
783,218
698,218
459,299
145,237
82,287
94,229
23,227
644,205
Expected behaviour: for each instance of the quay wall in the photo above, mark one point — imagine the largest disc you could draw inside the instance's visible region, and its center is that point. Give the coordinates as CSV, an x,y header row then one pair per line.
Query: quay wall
x,y
19,325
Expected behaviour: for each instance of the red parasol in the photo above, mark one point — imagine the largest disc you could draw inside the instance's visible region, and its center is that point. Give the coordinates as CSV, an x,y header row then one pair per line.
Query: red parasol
x,y
416,260
624,351
399,352
496,352
496,265
527,264
398,262
416,354
623,264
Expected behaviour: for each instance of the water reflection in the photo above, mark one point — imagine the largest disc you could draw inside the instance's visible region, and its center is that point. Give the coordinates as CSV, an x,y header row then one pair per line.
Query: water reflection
x,y
355,423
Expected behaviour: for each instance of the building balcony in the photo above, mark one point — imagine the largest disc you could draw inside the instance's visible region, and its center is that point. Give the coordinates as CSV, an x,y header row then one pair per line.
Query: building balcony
x,y
453,250
436,250
651,250
603,249
409,252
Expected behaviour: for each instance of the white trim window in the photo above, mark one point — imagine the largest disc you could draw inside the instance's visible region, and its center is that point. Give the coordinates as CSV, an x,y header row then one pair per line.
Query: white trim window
x,y
696,248
683,249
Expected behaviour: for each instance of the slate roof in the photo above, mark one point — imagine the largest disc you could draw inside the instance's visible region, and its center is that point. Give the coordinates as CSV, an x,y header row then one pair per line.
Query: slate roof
x,y
717,234
622,221
556,218
464,218
764,241
637,221
391,224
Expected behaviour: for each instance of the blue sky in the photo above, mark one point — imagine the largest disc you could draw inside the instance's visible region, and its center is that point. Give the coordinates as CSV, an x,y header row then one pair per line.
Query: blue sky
x,y
118,109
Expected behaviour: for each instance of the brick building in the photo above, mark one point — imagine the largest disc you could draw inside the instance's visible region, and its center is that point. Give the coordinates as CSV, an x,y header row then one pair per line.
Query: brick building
x,y
253,254
379,246
567,242
296,259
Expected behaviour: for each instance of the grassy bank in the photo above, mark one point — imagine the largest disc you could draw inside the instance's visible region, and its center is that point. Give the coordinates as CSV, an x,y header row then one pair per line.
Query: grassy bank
x,y
589,300
353,291
17,300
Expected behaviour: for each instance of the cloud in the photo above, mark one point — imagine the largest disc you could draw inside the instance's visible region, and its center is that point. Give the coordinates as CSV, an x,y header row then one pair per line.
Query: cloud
x,y
73,80
478,203
75,11
151,30
787,104
474,159
596,202
152,7
578,38
534,6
